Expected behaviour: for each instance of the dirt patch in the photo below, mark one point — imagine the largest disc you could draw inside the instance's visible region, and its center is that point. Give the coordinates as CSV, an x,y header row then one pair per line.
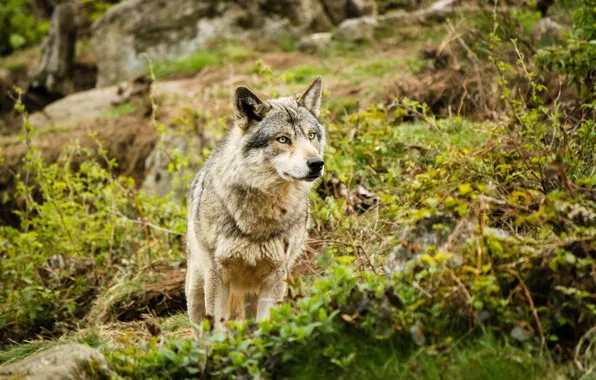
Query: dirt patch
x,y
450,85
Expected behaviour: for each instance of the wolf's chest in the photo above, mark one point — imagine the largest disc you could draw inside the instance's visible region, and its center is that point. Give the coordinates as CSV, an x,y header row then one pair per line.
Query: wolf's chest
x,y
262,243
271,253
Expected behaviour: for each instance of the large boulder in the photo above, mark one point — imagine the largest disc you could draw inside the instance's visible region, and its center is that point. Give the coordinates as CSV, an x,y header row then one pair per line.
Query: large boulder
x,y
357,29
66,362
168,29
339,10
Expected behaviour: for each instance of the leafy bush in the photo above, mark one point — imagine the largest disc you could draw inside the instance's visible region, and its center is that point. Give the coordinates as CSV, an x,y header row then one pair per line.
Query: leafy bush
x,y
18,26
577,57
79,229
352,326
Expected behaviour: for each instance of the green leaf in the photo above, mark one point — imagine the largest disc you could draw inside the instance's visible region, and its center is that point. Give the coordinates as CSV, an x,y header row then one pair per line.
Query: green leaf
x,y
16,41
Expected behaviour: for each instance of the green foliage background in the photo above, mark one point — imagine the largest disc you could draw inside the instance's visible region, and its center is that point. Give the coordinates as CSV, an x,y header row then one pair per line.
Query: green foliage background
x,y
18,26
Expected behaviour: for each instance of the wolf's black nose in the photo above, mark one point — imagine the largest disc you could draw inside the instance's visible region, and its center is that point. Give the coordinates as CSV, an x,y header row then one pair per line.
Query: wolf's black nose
x,y
315,164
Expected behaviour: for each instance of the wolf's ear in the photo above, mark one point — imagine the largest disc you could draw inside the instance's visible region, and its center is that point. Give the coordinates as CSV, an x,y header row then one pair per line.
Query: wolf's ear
x,y
249,106
311,97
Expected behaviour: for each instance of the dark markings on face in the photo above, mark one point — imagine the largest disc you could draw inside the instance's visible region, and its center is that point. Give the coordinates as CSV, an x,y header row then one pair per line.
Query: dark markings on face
x,y
281,119
291,118
258,140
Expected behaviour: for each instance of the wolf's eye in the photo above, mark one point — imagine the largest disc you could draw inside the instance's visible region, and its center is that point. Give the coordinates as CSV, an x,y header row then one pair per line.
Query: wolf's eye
x,y
311,135
283,139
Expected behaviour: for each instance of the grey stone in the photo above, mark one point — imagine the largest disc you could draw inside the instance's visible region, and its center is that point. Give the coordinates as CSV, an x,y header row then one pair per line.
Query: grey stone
x,y
339,10
547,28
159,180
357,29
521,334
66,362
170,29
314,42
440,231
359,8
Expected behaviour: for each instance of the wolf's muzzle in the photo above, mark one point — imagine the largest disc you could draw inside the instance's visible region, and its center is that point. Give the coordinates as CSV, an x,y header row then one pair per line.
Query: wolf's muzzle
x,y
315,167
315,164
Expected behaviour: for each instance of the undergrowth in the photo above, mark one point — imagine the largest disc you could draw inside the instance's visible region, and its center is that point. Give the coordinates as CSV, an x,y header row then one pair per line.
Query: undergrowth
x,y
359,327
81,227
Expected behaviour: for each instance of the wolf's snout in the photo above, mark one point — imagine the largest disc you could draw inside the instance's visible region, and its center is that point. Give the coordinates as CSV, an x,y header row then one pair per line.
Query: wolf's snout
x,y
315,164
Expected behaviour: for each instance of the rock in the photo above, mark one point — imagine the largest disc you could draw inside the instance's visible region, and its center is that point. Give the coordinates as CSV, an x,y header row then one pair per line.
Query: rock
x,y
339,10
159,180
358,29
441,4
68,361
80,106
417,334
359,8
437,12
521,334
440,231
314,42
171,29
547,28
162,29
336,10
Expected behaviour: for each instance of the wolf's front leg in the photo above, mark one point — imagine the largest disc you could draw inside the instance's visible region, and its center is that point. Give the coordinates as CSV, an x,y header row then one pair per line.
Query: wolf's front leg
x,y
216,297
195,296
271,292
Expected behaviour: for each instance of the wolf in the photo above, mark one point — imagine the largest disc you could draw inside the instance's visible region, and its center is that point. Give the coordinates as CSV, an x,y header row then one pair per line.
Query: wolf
x,y
248,206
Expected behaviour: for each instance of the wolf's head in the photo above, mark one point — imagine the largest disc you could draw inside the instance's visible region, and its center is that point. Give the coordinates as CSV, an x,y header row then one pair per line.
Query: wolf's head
x,y
282,137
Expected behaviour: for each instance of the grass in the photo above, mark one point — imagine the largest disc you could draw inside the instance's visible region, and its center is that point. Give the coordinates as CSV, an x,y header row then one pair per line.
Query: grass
x,y
15,353
483,358
126,108
45,131
193,62
20,59
222,53
457,132
119,293
304,74
379,68
480,358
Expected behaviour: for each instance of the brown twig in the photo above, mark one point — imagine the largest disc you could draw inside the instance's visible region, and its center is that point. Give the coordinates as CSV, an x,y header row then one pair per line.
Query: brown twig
x,y
372,267
531,302
145,223
474,58
481,242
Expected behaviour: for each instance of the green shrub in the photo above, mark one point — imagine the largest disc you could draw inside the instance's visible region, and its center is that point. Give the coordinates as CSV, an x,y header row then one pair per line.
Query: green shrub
x,y
18,26
577,57
79,230
354,325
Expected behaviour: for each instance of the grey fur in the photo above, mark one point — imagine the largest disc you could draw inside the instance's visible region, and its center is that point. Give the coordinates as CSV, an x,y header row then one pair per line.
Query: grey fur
x,y
248,206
